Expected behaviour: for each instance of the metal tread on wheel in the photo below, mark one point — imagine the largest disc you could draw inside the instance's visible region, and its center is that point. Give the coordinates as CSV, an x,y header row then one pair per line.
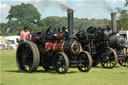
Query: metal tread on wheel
x,y
27,57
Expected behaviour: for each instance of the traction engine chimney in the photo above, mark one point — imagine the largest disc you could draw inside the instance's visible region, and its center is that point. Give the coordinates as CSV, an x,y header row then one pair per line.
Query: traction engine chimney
x,y
70,22
113,20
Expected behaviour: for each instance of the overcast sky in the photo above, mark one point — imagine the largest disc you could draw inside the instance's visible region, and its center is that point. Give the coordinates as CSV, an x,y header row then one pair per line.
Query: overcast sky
x,y
98,9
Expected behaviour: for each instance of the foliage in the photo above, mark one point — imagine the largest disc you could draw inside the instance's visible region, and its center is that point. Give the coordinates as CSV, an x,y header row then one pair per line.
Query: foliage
x,y
56,22
3,28
83,23
122,19
126,4
23,15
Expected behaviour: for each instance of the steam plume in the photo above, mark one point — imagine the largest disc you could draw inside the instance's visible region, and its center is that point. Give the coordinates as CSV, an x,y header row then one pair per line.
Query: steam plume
x,y
107,6
63,6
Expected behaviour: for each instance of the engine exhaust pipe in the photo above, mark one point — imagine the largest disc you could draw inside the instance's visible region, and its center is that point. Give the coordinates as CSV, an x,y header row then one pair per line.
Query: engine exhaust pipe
x,y
70,22
113,20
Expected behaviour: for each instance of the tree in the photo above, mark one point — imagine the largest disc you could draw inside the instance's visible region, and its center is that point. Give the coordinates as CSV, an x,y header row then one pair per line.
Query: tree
x,y
79,24
23,15
126,4
122,21
3,30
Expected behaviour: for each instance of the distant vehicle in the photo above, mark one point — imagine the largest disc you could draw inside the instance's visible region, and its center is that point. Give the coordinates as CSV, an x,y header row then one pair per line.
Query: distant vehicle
x,y
12,41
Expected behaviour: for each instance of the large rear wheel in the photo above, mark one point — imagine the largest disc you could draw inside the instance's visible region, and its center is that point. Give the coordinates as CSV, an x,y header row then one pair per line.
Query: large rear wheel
x,y
85,61
27,57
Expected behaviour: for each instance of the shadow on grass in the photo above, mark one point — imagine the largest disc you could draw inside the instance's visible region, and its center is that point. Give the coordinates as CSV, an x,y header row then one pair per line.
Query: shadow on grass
x,y
40,71
116,66
15,71
100,67
97,67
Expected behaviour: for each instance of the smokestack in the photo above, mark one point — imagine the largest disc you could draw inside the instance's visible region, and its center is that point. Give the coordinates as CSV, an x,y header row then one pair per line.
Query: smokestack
x,y
113,18
70,22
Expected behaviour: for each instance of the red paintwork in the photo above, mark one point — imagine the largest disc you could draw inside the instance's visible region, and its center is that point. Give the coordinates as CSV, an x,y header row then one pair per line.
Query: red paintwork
x,y
49,46
56,47
59,36
126,26
59,47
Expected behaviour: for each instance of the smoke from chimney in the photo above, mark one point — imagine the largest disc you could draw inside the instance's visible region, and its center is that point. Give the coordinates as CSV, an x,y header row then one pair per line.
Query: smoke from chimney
x,y
63,6
108,7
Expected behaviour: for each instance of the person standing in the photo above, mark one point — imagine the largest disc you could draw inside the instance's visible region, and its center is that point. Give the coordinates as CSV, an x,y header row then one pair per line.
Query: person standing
x,y
25,34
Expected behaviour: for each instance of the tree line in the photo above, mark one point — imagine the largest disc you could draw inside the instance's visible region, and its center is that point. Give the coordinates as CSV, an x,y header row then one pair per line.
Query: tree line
x,y
27,15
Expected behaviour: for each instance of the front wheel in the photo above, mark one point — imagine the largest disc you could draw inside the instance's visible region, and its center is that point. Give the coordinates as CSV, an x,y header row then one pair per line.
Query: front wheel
x,y
108,58
61,63
85,61
124,62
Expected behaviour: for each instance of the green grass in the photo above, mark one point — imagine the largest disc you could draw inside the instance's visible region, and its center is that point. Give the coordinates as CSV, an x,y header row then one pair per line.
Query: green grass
x,y
96,76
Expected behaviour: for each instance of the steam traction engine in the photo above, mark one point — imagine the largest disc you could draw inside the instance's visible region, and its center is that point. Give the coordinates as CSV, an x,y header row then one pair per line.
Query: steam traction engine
x,y
96,41
49,50
105,45
118,43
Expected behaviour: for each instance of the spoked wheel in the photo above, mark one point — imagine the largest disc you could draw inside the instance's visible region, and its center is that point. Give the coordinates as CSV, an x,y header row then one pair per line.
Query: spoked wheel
x,y
61,63
108,58
124,62
85,61
27,57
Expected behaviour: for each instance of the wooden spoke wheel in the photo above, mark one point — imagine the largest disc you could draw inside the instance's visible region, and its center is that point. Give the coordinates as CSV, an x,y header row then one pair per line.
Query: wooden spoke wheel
x,y
108,58
61,63
85,61
27,57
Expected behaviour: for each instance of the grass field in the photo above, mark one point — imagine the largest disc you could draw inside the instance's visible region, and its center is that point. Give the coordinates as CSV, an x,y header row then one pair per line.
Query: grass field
x,y
9,75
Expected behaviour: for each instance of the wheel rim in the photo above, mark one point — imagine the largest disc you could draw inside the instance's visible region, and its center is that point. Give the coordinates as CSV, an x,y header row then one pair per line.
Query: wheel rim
x,y
108,58
85,62
61,63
